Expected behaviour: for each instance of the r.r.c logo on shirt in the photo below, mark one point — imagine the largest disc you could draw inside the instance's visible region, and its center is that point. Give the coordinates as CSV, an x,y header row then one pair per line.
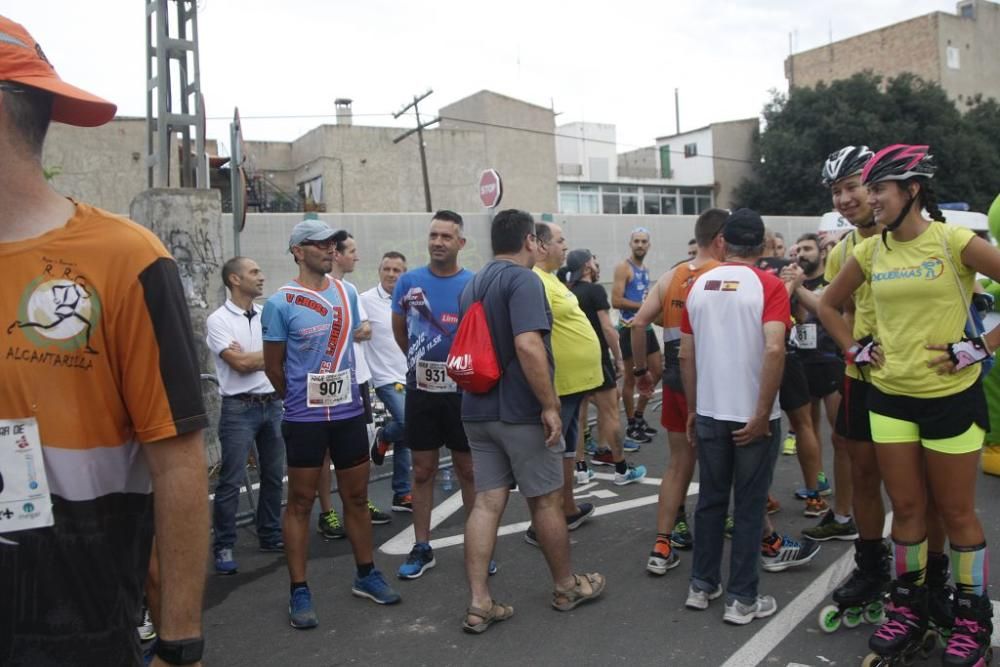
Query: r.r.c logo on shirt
x,y
63,311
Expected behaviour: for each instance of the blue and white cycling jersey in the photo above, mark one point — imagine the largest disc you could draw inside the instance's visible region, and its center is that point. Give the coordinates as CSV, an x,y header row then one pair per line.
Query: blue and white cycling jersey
x,y
317,329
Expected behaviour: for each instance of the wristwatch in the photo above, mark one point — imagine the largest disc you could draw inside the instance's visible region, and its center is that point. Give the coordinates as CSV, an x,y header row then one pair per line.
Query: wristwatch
x,y
639,372
180,651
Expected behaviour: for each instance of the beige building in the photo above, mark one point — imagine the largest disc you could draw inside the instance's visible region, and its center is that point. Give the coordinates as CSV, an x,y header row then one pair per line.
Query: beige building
x,y
342,167
960,52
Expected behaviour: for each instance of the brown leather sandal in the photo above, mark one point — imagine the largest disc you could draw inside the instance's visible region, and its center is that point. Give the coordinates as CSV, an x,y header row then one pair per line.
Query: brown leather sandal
x,y
567,600
497,612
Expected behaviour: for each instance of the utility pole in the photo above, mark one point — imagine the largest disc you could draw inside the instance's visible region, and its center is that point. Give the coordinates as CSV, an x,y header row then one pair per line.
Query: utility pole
x,y
420,139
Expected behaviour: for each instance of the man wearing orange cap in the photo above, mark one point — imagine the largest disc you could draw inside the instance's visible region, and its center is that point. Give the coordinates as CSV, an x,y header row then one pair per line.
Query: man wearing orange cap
x,y
100,406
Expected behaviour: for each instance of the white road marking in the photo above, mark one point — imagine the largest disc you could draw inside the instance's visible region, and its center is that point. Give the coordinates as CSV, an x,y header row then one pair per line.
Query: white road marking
x,y
597,493
995,639
401,544
756,650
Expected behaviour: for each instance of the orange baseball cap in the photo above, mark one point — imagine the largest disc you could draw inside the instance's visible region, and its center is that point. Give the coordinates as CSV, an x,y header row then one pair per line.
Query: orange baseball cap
x,y
22,61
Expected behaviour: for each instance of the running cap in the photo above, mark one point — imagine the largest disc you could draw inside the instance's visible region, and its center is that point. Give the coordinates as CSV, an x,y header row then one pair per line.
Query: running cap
x,y
640,230
848,161
575,263
744,227
899,162
310,229
23,62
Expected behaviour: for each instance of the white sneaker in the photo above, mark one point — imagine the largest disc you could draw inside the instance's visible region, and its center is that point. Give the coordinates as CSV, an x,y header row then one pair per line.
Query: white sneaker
x,y
738,613
699,599
584,476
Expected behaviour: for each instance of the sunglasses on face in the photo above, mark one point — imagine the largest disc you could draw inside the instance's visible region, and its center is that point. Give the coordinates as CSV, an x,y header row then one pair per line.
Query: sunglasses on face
x,y
322,245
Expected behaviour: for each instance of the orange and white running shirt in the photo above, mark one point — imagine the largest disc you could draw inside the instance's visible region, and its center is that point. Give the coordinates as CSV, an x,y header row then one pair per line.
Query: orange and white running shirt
x,y
727,308
96,346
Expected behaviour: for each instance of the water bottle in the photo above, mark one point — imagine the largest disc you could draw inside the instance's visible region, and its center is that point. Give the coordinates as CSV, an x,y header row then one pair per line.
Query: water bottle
x,y
447,479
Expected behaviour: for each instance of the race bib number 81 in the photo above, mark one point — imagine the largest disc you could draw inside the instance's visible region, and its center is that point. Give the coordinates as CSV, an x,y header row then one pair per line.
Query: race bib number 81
x,y
327,390
24,490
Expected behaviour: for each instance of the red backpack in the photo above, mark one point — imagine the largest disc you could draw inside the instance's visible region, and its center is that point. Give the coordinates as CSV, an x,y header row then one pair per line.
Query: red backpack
x,y
472,359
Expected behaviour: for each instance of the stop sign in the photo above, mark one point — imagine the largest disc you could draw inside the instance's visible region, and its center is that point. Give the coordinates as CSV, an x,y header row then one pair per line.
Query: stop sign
x,y
490,188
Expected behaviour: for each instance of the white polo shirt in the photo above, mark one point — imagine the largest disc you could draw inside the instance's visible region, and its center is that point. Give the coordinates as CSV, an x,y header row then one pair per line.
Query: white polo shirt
x,y
361,369
227,324
385,360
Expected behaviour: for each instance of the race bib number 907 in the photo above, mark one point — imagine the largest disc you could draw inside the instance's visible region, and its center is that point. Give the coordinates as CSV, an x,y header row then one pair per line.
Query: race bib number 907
x,y
327,390
24,490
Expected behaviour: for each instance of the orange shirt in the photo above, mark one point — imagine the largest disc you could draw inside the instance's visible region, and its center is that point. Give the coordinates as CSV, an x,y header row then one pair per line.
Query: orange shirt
x,y
96,345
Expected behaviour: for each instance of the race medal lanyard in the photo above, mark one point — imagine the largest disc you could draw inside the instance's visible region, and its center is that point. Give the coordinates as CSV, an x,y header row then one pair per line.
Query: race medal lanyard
x,y
25,502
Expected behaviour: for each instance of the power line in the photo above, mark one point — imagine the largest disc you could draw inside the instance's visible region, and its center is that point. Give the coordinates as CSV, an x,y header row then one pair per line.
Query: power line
x,y
502,126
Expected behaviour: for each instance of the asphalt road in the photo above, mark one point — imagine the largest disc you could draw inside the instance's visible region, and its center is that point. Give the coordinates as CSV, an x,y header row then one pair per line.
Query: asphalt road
x,y
640,620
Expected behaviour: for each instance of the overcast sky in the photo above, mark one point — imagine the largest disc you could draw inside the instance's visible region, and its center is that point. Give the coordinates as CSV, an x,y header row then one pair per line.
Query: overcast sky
x,y
611,62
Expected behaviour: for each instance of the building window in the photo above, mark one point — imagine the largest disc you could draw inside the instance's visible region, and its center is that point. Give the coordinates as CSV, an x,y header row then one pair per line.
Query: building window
x,y
578,199
690,150
612,199
952,56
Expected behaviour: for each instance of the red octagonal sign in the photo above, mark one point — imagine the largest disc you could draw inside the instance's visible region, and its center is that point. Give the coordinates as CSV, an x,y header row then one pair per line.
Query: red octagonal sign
x,y
490,188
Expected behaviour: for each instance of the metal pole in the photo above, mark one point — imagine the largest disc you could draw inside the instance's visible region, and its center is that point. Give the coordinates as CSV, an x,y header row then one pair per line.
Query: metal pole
x,y
677,109
235,183
423,158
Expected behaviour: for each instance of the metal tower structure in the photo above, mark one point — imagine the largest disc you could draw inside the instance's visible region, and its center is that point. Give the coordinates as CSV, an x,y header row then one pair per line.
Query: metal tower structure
x,y
174,103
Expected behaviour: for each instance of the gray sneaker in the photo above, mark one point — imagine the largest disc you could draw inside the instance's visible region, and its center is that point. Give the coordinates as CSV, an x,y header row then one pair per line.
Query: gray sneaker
x,y
699,599
738,613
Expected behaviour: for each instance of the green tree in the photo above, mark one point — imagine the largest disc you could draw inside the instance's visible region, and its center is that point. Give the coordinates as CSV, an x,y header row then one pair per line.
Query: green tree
x,y
807,124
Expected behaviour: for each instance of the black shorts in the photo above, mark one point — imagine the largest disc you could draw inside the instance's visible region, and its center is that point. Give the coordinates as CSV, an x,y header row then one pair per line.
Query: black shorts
x,y
433,420
610,377
625,342
307,442
366,401
824,377
794,392
936,418
852,416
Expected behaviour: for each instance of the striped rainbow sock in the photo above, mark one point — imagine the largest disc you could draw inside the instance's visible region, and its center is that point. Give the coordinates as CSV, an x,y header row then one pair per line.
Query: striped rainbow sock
x,y
971,568
911,559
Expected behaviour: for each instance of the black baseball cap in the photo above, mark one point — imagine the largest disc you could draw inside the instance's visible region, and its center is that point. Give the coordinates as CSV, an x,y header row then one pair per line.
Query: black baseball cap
x,y
744,227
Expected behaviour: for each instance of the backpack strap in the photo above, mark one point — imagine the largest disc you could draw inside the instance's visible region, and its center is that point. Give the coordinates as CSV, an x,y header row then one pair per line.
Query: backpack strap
x,y
966,300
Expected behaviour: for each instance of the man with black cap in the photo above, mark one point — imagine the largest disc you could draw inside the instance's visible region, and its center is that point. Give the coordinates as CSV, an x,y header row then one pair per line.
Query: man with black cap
x,y
732,353
308,330
100,402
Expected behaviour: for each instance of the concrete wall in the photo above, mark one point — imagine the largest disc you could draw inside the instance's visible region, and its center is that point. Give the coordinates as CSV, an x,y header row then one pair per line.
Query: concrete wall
x,y
732,164
581,145
265,239
697,170
977,44
519,143
103,166
909,46
189,224
640,163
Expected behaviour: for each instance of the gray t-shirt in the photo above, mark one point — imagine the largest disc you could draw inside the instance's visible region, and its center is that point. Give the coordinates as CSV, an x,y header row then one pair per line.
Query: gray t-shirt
x,y
514,302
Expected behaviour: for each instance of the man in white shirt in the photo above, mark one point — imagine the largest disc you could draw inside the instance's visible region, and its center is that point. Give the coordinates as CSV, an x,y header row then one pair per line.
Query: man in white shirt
x,y
387,365
251,413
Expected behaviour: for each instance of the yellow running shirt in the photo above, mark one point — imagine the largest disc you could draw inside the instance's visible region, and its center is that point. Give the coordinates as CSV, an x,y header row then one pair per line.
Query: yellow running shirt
x,y
917,302
864,309
575,347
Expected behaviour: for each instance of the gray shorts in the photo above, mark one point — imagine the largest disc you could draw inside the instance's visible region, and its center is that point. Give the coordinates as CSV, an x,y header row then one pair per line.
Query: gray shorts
x,y
504,454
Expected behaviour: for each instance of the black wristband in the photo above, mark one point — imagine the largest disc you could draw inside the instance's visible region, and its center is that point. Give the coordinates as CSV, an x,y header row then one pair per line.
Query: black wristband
x,y
639,372
181,651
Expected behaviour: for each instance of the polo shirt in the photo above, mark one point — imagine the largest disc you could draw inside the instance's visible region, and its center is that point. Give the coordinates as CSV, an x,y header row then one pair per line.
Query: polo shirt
x,y
227,324
386,361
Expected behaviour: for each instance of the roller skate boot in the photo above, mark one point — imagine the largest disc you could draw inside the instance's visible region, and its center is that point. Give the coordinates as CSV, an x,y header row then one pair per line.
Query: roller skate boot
x,y
969,642
862,596
904,636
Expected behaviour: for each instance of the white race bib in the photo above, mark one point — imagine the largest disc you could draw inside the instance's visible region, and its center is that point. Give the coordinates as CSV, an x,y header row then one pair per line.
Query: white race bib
x,y
327,390
805,336
432,376
24,490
